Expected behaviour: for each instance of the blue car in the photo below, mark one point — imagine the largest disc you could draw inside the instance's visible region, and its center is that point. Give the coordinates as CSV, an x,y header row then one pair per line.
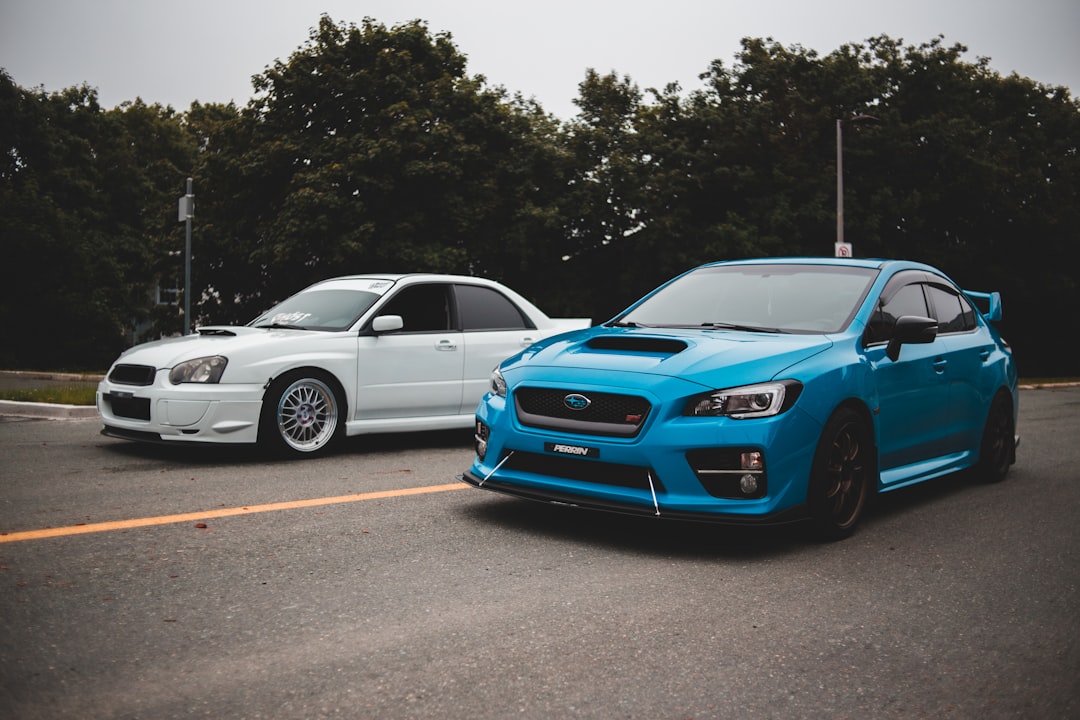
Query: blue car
x,y
760,392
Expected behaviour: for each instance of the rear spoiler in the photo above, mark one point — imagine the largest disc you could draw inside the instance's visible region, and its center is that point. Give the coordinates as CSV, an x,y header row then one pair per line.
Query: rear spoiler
x,y
989,304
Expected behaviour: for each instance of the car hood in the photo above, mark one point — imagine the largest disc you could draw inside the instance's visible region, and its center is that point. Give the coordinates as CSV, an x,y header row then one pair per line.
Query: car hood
x,y
694,355
217,340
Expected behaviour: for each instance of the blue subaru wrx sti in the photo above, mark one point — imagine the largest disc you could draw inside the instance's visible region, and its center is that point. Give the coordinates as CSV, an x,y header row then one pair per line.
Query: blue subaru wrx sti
x,y
758,391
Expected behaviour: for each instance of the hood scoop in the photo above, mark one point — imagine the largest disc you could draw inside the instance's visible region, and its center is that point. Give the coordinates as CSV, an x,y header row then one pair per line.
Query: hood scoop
x,y
626,343
216,331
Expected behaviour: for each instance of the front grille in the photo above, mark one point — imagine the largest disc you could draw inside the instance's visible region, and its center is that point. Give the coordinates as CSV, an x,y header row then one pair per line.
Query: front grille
x,y
132,408
133,375
605,414
630,476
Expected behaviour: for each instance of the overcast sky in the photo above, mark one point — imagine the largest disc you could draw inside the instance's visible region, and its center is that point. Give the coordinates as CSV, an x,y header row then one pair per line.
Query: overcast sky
x,y
179,51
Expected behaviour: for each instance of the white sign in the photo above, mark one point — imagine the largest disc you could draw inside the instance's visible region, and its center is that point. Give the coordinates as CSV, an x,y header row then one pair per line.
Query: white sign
x,y
185,208
843,249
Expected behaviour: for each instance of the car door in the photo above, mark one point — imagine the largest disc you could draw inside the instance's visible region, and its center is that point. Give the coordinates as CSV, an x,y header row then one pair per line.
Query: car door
x,y
415,371
494,329
913,390
968,347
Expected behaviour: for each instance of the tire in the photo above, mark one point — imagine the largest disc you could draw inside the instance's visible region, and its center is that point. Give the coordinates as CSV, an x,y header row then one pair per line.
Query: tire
x,y
842,476
998,444
302,414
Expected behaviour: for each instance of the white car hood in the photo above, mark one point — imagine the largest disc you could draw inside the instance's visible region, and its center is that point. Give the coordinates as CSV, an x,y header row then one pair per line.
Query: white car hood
x,y
217,340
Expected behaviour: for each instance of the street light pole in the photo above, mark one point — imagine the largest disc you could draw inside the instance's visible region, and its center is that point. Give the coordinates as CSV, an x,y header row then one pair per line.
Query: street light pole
x,y
843,249
185,213
839,184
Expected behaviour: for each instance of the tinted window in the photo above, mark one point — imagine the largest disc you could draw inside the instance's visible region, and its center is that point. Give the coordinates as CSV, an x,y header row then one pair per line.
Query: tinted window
x,y
483,308
953,312
906,300
424,308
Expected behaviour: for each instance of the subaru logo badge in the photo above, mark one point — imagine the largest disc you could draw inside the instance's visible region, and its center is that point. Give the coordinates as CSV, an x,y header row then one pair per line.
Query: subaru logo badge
x,y
575,401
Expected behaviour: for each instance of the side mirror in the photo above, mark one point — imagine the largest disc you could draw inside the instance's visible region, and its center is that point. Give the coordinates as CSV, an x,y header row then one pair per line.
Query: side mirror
x,y
387,323
911,329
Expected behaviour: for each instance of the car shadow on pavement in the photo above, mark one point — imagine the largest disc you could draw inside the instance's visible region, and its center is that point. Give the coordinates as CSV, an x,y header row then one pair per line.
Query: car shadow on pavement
x,y
700,540
647,535
218,454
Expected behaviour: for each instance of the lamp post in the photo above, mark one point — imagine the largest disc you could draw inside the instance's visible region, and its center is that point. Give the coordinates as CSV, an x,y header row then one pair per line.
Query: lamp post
x,y
185,213
842,248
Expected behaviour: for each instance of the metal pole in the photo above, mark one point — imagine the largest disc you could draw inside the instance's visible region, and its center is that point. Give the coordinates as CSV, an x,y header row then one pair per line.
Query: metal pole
x,y
187,258
839,182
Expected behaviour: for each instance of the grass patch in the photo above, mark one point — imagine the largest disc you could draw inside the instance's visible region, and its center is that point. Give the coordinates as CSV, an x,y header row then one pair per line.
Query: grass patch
x,y
74,394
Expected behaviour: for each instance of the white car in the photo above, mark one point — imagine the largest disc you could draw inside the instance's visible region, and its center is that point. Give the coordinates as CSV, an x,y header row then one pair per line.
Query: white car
x,y
346,356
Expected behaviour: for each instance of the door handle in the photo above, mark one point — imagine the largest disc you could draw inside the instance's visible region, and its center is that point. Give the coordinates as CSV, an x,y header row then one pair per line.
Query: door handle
x,y
939,365
446,346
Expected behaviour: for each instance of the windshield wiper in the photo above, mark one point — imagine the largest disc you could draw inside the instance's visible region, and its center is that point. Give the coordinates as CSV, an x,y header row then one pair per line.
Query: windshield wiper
x,y
743,328
280,326
629,324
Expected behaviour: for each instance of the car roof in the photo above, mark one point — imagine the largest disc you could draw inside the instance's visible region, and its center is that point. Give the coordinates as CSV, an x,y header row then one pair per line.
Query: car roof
x,y
825,261
394,277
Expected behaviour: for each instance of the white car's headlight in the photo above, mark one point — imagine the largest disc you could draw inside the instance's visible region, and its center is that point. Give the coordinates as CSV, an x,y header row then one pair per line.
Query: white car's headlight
x,y
199,370
498,383
749,401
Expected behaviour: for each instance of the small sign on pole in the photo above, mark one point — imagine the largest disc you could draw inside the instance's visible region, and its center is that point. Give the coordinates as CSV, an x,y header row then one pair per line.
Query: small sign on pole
x,y
185,210
843,249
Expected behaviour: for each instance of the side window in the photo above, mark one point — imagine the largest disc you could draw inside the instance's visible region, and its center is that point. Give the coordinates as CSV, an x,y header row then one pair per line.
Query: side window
x,y
482,308
424,308
953,312
907,300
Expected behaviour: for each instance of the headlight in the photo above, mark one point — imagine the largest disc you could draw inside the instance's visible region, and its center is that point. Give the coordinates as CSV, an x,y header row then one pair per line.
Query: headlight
x,y
498,383
199,370
749,401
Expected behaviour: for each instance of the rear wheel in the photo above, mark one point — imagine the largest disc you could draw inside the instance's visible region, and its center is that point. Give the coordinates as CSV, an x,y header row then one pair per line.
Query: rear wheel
x,y
996,451
841,477
301,414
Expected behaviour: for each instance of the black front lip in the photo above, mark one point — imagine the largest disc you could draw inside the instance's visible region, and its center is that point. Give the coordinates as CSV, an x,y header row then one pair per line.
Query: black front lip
x,y
784,517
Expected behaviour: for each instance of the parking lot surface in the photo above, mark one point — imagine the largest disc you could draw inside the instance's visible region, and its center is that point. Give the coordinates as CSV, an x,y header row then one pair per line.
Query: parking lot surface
x,y
158,582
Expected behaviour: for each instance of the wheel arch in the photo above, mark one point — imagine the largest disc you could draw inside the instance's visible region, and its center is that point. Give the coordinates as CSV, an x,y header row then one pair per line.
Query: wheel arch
x,y
336,384
859,407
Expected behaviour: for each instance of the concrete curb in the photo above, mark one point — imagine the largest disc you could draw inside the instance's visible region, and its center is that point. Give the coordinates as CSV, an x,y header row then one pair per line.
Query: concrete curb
x,y
50,411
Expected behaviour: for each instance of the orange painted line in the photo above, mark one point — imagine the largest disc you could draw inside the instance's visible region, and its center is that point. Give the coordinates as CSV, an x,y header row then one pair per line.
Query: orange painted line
x,y
223,512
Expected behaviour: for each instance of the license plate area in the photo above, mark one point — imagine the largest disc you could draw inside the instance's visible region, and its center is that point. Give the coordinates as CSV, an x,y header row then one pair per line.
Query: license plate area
x,y
572,450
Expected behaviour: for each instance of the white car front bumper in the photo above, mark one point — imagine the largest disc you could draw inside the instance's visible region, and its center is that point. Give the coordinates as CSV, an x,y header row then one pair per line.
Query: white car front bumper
x,y
219,413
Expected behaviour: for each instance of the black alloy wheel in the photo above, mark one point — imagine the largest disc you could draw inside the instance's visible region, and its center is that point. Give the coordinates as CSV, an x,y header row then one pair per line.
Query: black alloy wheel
x,y
842,475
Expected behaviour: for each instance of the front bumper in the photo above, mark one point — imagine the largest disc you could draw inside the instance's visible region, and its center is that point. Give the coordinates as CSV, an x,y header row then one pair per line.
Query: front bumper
x,y
669,469
789,515
220,413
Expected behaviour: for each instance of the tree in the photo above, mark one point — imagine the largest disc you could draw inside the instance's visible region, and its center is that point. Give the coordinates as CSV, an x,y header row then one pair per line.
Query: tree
x,y
369,150
81,193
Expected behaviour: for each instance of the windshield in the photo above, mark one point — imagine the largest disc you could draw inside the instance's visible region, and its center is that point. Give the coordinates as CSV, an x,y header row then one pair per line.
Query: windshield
x,y
764,298
318,309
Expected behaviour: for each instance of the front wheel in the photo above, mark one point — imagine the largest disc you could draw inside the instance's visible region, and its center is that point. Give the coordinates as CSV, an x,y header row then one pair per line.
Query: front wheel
x,y
841,477
301,414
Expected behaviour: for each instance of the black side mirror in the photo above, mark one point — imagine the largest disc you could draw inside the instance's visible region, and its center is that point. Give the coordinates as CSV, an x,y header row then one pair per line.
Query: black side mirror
x,y
910,329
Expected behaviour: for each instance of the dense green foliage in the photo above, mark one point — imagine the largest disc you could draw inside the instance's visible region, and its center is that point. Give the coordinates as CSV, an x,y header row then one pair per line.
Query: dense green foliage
x,y
372,149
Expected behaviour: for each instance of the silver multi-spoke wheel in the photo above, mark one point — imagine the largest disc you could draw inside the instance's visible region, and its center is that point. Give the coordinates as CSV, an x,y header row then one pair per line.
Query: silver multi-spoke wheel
x,y
302,413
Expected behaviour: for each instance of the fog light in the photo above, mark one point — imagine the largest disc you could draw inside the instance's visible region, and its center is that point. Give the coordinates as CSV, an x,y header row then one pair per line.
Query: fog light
x,y
480,439
752,460
748,484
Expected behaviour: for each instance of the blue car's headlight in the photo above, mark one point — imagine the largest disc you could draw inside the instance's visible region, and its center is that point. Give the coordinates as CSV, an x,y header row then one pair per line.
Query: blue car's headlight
x,y
199,370
498,383
749,401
